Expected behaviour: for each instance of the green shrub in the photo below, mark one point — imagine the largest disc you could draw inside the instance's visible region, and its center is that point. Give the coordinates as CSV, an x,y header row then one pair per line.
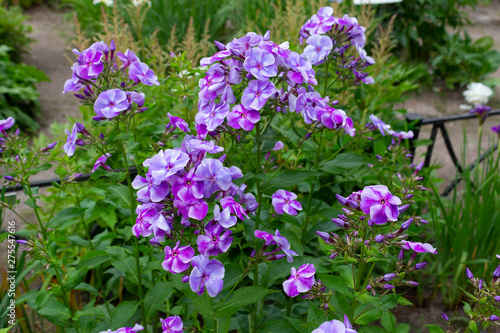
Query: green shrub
x,y
13,32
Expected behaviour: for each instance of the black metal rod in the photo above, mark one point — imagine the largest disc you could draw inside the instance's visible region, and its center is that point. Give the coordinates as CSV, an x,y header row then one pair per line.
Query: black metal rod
x,y
450,147
464,116
431,146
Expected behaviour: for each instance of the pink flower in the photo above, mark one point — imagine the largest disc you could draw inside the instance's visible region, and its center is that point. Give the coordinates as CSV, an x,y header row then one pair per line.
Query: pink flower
x,y
171,325
101,162
206,274
240,117
380,204
284,202
300,281
419,247
177,259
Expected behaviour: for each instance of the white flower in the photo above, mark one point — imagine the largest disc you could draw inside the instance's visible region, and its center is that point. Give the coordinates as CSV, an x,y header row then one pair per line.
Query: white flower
x,y
140,2
108,3
477,93
465,107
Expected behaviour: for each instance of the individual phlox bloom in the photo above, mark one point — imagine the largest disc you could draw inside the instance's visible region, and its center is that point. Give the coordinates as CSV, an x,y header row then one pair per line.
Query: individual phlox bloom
x,y
301,69
241,117
260,63
212,85
380,204
176,122
402,134
269,238
334,326
214,241
146,216
214,174
278,146
331,118
283,243
177,259
73,84
194,209
101,162
213,116
206,274
110,103
419,247
5,124
89,64
70,145
242,44
234,207
224,218
348,126
167,163
149,189
216,57
134,329
355,32
139,71
382,127
171,324
160,224
256,94
188,188
135,97
128,58
300,281
363,55
318,48
284,202
324,20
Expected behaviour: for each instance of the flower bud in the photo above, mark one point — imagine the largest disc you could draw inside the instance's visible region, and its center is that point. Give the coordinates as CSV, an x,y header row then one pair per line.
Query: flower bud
x,y
405,225
469,274
220,46
389,277
412,283
445,317
497,299
420,265
388,286
494,318
379,238
401,255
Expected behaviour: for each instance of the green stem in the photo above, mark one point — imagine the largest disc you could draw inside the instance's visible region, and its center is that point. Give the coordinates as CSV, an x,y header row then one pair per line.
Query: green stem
x,y
136,241
309,199
64,297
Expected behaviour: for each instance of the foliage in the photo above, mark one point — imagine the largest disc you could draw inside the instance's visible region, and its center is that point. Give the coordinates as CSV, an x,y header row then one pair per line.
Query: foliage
x,y
18,95
13,33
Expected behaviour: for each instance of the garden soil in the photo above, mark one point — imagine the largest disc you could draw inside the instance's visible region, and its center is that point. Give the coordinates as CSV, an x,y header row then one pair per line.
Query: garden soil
x,y
52,32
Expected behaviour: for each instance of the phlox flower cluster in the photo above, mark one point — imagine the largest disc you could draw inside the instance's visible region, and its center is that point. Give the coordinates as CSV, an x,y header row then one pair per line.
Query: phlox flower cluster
x,y
335,326
252,75
371,218
172,324
329,37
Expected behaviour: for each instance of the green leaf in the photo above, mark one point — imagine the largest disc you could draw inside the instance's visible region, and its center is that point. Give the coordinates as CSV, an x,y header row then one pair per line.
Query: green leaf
x,y
93,259
344,162
388,321
63,219
404,301
336,283
242,297
155,298
122,313
88,288
55,308
29,296
42,298
287,180
128,267
473,326
346,274
5,330
434,329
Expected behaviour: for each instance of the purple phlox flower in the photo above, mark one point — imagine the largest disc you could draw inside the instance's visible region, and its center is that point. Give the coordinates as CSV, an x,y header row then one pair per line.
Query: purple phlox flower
x,y
213,84
353,200
139,71
70,145
160,225
284,202
388,277
135,97
382,127
216,57
177,259
260,63
355,32
469,274
318,48
73,84
89,64
267,237
239,46
188,188
380,204
101,162
481,110
256,94
251,203
176,122
301,69
194,209
214,242
149,189
171,324
498,256
197,149
278,146
300,281
5,124
401,135
240,117
496,273
134,329
128,58
213,116
166,163
146,215
214,174
110,103
224,218
363,55
206,274
334,326
419,247
234,207
284,245
319,23
235,172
